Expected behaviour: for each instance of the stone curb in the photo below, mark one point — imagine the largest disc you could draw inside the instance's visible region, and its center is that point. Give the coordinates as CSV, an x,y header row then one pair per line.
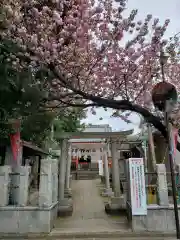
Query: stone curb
x,y
80,235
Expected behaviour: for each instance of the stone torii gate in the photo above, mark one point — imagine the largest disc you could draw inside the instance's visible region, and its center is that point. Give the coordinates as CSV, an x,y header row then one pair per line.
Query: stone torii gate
x,y
65,204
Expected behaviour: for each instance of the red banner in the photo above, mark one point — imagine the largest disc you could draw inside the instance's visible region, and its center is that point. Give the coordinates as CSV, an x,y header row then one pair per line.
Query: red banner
x,y
15,144
15,140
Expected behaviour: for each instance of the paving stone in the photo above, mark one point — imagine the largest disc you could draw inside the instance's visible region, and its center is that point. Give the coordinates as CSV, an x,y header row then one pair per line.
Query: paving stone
x,y
88,210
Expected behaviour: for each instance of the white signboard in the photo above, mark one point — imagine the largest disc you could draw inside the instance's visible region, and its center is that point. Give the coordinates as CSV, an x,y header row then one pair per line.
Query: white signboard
x,y
137,185
101,170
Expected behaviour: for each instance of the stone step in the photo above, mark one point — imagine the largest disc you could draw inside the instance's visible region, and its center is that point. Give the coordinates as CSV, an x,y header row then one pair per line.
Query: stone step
x,y
88,172
89,175
92,235
109,233
82,173
86,178
85,174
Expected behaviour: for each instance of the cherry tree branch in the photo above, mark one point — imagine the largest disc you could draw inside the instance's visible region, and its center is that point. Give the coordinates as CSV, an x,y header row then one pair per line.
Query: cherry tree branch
x,y
117,104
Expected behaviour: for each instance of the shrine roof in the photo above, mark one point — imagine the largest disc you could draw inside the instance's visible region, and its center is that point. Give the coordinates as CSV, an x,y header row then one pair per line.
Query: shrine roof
x,y
33,149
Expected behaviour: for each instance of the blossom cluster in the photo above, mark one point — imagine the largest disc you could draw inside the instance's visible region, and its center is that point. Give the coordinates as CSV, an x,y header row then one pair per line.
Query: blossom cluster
x,y
86,41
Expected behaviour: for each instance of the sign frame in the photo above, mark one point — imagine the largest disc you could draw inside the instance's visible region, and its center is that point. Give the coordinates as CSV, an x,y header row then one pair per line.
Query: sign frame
x,y
137,187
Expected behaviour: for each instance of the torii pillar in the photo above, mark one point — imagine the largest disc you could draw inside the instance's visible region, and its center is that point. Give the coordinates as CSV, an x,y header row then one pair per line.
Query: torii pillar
x,y
65,207
117,201
67,191
107,191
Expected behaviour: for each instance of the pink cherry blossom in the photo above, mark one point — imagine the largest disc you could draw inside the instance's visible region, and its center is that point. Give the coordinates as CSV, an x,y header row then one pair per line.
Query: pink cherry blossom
x,y
102,52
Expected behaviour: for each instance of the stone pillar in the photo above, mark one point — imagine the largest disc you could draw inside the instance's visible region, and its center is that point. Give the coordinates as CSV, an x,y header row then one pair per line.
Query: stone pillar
x,y
78,155
68,173
16,172
117,202
162,185
62,174
101,166
46,183
4,182
115,170
20,185
107,190
24,185
55,180
64,205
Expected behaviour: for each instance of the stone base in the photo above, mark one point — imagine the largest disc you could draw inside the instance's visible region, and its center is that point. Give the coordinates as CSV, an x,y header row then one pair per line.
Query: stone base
x,y
68,193
107,192
65,208
102,179
27,220
116,206
118,202
115,211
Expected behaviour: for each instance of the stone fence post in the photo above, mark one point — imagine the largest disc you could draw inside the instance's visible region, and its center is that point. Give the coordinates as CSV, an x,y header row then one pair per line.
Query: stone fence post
x,y
46,183
4,183
55,180
162,188
20,185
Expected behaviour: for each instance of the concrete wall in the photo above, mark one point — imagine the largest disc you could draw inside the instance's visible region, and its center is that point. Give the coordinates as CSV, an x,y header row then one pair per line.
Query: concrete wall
x,y
27,219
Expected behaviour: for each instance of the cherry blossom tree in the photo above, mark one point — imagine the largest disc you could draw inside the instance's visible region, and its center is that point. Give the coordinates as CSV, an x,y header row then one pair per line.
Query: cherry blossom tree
x,y
82,45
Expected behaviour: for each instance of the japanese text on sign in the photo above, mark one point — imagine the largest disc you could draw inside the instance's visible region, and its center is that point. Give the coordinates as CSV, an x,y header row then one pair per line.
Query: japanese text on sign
x,y
137,185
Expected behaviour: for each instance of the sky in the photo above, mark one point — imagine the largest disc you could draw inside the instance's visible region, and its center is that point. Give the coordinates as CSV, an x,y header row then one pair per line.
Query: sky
x,y
162,9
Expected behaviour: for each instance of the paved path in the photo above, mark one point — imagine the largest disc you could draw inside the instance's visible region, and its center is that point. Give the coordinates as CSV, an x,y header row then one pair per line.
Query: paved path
x,y
89,211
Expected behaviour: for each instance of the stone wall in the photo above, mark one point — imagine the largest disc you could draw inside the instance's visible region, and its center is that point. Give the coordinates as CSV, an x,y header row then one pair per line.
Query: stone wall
x,y
160,216
19,217
158,219
27,219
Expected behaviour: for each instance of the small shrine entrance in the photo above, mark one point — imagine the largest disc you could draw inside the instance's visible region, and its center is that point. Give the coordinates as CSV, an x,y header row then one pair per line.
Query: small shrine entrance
x,y
86,155
88,199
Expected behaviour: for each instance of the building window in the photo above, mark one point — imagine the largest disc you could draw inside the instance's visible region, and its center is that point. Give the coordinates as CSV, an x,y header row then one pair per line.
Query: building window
x,y
93,150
